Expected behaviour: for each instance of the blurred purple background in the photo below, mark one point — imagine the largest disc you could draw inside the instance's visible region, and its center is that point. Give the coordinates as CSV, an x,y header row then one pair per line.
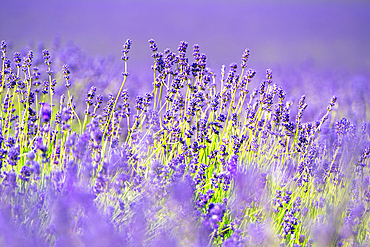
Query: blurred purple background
x,y
283,36
330,34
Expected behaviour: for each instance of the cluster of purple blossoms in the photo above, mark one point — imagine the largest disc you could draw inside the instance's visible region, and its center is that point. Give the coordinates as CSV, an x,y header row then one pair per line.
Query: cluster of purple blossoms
x,y
198,161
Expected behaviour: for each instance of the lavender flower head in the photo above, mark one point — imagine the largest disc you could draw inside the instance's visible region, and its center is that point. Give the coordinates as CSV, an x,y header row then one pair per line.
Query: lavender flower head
x,y
45,112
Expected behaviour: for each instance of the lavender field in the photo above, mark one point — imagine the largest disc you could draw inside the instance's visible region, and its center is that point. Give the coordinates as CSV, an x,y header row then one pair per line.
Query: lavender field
x,y
251,129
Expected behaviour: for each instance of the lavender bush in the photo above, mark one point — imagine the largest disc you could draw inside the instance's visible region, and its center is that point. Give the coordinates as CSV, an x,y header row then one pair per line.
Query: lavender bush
x,y
200,160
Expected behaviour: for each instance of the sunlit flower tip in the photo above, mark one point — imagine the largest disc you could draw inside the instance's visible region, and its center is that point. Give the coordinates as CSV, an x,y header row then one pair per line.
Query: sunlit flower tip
x,y
66,71
126,48
332,103
233,67
333,100
30,55
269,74
195,49
127,45
3,45
153,46
183,46
17,59
245,58
99,99
46,57
90,95
251,73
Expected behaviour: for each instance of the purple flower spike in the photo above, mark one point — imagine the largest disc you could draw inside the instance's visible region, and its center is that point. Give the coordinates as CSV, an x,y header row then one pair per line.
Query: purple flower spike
x,y
45,112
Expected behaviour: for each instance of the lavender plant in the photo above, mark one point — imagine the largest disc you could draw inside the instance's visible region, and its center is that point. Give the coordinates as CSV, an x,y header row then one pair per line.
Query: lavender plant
x,y
197,161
